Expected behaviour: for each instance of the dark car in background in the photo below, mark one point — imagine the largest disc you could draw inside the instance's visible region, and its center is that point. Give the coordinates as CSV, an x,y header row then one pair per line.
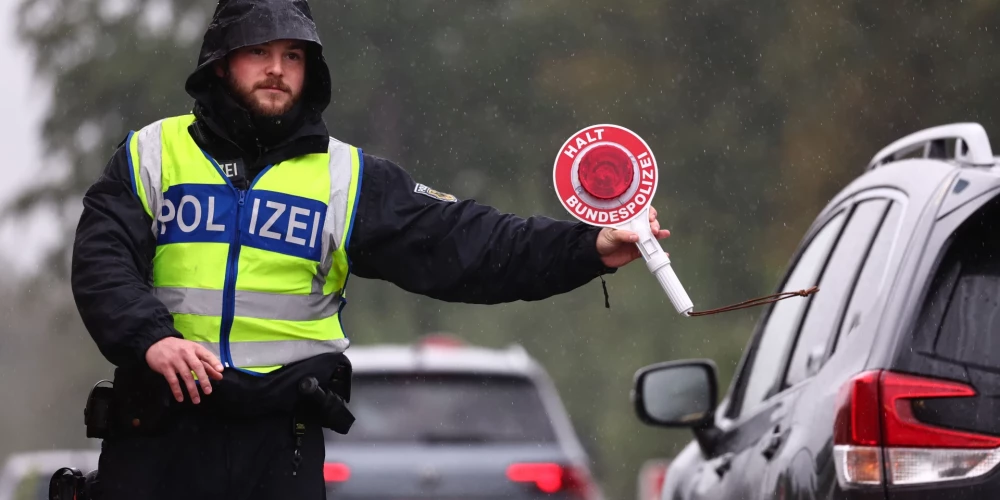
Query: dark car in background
x,y
886,383
445,420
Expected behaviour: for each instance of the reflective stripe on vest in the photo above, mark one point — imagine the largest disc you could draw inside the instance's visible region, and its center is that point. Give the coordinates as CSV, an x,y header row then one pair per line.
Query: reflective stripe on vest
x,y
276,353
256,276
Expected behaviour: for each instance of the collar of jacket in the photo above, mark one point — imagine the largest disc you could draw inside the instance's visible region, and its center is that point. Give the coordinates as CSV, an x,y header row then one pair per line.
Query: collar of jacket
x,y
310,137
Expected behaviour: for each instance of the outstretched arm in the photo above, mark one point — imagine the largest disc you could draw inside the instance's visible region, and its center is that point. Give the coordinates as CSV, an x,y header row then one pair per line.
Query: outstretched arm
x,y
461,251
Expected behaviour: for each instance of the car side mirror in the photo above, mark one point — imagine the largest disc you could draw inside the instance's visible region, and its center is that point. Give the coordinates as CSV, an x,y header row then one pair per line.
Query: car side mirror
x,y
677,393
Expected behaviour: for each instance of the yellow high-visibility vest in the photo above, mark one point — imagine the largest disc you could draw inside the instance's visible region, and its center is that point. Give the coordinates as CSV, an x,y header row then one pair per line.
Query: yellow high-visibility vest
x,y
256,276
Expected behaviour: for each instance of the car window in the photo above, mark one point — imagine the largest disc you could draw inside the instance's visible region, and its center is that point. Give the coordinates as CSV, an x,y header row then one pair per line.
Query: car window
x,y
874,273
824,310
783,320
962,310
440,409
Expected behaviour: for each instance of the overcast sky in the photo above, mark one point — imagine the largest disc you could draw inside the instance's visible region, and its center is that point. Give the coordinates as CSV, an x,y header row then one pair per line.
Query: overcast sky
x,y
24,102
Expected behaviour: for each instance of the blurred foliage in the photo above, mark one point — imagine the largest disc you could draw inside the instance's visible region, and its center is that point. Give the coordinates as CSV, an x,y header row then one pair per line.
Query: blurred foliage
x,y
758,113
30,486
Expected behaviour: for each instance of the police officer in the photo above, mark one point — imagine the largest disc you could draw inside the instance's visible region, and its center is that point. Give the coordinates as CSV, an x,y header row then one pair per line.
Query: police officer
x,y
212,255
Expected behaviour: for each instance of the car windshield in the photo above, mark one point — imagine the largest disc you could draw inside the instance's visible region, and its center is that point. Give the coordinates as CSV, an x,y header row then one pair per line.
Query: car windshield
x,y
446,409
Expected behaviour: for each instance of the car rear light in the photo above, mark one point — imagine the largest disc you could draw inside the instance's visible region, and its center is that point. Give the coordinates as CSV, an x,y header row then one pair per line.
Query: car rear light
x,y
551,477
440,340
336,472
547,477
878,440
921,465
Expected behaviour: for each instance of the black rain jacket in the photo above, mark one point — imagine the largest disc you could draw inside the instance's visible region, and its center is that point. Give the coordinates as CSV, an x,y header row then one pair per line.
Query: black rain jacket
x,y
458,251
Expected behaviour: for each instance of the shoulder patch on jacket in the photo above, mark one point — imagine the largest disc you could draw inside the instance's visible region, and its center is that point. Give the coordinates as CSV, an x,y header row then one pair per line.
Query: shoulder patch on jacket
x,y
433,193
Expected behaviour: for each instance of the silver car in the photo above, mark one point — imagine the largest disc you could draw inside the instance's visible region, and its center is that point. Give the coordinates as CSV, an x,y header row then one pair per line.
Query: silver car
x,y
441,419
25,475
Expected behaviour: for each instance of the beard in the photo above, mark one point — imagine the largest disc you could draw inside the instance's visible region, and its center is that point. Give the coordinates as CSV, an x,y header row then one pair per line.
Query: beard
x,y
263,106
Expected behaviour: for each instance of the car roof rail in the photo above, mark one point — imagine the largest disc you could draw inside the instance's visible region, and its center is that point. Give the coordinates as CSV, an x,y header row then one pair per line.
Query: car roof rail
x,y
972,145
517,349
518,353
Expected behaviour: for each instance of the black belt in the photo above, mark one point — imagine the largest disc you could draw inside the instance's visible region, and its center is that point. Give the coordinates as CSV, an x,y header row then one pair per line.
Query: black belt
x,y
140,401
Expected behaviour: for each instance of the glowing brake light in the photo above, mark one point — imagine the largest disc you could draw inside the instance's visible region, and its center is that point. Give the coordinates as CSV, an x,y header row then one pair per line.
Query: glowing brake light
x,y
547,477
336,472
551,477
875,430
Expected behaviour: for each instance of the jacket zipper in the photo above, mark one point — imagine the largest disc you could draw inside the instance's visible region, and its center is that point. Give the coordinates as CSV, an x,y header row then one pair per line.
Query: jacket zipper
x,y
229,289
232,269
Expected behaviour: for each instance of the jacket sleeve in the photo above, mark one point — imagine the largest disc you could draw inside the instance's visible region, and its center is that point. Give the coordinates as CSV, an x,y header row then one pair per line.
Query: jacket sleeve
x,y
112,268
427,242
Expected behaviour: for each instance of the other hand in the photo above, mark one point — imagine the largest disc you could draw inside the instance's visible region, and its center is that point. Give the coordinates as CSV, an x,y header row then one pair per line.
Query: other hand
x,y
617,247
173,357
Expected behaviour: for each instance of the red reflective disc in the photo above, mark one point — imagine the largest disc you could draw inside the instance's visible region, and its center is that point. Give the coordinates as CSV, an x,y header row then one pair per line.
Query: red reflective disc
x,y
605,175
605,172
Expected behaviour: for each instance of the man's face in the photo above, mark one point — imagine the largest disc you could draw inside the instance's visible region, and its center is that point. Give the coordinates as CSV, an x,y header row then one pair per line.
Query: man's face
x,y
267,78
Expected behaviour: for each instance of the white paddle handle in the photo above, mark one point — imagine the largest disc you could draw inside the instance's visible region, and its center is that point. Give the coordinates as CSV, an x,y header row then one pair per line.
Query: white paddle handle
x,y
658,263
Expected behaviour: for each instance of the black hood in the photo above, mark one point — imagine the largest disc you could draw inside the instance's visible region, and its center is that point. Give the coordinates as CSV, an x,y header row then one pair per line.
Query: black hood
x,y
240,23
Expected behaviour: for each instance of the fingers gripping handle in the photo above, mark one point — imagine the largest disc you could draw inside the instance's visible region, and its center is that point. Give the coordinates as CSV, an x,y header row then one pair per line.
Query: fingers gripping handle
x,y
659,264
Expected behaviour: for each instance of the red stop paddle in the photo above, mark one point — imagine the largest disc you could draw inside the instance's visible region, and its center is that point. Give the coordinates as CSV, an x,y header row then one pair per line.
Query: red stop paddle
x,y
605,175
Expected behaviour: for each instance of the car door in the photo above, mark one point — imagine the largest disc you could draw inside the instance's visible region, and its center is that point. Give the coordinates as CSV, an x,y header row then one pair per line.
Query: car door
x,y
784,455
732,471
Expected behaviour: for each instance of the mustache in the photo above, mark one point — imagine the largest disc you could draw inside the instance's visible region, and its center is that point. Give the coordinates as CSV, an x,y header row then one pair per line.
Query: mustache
x,y
275,83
